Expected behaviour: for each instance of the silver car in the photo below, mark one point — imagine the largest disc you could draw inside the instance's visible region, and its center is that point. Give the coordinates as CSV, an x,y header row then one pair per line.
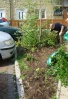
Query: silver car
x,y
7,45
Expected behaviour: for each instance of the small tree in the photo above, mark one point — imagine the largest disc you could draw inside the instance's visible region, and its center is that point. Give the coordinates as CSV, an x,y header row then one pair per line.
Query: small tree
x,y
29,27
32,32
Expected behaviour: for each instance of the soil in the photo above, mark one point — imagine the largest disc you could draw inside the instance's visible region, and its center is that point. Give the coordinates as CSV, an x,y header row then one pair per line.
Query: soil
x,y
36,83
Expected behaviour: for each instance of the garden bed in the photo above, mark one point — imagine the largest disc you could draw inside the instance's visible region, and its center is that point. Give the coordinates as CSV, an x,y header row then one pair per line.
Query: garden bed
x,y
36,83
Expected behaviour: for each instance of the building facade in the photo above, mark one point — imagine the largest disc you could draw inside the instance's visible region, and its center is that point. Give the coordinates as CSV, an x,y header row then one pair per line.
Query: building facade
x,y
14,9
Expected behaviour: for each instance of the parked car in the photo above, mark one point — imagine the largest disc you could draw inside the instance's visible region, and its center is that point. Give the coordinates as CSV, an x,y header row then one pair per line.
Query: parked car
x,y
7,46
13,31
4,21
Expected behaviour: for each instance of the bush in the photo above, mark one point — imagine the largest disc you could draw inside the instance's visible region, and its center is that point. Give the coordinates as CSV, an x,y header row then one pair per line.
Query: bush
x,y
48,39
31,37
59,66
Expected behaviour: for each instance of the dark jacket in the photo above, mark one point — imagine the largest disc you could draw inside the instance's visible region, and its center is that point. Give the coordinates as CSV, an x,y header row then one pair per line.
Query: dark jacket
x,y
58,27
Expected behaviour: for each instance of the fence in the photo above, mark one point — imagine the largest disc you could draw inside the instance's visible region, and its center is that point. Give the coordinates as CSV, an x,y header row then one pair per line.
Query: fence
x,y
44,22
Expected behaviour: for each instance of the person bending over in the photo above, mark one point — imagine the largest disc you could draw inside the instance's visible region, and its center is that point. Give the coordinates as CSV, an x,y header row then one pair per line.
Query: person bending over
x,y
60,28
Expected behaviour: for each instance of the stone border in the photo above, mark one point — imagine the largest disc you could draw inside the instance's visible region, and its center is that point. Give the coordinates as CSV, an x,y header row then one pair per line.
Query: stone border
x,y
58,90
20,87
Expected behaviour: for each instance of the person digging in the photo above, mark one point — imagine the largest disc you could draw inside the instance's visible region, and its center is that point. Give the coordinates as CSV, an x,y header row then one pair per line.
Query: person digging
x,y
61,30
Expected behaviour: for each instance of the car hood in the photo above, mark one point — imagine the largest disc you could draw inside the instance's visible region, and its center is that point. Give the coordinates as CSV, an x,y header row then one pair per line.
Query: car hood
x,y
4,36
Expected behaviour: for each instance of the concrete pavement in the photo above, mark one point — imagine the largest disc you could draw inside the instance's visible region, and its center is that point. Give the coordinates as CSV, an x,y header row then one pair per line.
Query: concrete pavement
x,y
64,92
7,81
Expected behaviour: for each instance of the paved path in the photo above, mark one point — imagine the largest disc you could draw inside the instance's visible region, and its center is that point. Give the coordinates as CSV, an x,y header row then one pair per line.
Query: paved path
x,y
7,83
64,93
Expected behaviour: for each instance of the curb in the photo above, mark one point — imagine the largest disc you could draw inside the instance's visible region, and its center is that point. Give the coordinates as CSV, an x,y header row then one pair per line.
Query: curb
x,y
20,87
64,92
58,90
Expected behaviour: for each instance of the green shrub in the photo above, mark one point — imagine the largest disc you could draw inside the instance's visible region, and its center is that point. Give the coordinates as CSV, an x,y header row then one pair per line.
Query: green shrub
x,y
59,66
48,39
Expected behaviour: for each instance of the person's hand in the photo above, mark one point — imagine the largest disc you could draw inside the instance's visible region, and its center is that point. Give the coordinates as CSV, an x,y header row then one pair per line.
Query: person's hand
x,y
60,33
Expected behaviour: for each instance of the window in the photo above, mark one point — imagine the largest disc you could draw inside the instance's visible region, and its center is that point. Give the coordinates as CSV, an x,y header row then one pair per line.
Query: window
x,y
41,14
58,12
37,12
65,3
21,14
2,13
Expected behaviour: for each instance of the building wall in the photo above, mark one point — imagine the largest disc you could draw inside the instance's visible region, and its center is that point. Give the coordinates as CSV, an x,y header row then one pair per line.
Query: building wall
x,y
4,4
18,4
48,6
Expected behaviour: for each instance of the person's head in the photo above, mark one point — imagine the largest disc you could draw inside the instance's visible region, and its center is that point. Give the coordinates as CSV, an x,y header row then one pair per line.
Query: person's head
x,y
52,26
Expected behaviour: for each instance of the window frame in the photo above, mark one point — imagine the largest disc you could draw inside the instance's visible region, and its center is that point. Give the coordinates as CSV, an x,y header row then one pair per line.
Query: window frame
x,y
21,14
58,11
2,13
40,13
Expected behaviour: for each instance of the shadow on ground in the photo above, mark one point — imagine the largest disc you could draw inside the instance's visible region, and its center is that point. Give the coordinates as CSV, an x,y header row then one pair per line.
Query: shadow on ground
x,y
7,80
